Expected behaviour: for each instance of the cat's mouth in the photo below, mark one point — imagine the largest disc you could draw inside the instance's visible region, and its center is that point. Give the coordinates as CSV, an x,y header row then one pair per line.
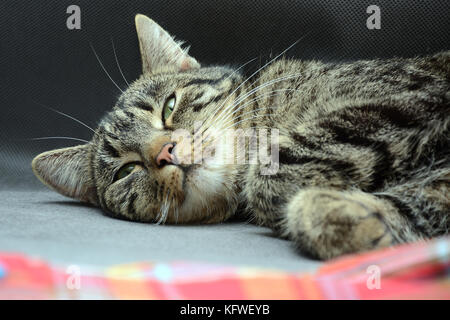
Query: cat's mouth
x,y
182,176
205,194
202,180
187,169
200,190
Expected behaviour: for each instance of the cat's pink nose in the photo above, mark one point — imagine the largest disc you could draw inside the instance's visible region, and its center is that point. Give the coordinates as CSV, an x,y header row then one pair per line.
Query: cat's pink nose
x,y
165,155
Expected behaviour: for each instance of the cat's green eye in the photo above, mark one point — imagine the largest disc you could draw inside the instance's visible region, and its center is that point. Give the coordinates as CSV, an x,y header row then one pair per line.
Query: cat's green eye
x,y
169,105
125,171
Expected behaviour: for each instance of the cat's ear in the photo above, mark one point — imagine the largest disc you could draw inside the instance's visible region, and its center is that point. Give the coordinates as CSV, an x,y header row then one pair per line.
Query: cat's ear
x,y
67,171
158,48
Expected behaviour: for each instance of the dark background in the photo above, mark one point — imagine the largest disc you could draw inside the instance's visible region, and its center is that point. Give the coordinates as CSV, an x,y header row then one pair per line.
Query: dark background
x,y
44,63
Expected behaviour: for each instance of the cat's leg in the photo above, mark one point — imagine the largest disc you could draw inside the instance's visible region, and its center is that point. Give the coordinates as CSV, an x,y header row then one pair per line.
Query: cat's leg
x,y
327,223
423,200
328,220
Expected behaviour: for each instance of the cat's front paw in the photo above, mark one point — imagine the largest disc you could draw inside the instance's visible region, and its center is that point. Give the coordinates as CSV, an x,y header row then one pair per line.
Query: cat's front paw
x,y
327,224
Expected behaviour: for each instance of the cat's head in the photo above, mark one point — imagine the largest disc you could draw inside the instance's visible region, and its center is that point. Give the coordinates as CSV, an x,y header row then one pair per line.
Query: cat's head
x,y
133,167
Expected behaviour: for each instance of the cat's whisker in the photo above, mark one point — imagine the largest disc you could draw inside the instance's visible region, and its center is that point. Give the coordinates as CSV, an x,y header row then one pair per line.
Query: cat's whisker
x,y
256,89
250,219
260,97
163,211
246,113
66,115
49,138
202,129
228,109
211,138
104,69
243,120
117,62
240,98
166,212
240,106
262,68
175,209
256,72
221,131
259,70
240,68
260,87
231,74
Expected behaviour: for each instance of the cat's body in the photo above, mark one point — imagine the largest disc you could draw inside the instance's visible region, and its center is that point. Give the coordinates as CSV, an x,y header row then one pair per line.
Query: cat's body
x,y
364,158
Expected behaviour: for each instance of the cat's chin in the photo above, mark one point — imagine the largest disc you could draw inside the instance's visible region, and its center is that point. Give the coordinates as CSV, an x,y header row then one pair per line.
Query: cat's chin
x,y
208,197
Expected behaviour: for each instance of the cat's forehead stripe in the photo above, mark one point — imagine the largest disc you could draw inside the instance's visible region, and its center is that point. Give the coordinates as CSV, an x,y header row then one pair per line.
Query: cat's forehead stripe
x,y
108,147
201,81
153,87
144,105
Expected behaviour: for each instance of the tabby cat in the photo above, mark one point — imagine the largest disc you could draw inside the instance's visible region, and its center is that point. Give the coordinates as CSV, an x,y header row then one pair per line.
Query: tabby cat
x,y
362,152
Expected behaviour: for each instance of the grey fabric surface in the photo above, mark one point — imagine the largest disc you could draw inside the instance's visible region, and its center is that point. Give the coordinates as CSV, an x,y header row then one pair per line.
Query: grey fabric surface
x,y
44,224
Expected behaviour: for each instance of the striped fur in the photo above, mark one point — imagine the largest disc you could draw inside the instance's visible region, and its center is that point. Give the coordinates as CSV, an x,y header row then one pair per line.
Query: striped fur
x,y
364,149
